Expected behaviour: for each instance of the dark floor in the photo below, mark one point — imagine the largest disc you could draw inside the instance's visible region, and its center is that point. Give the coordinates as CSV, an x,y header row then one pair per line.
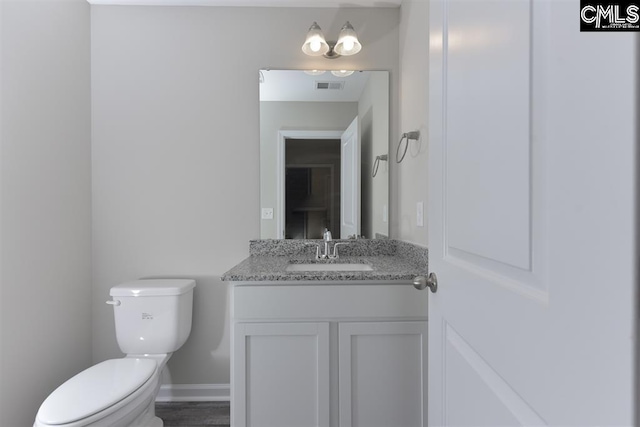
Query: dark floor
x,y
193,414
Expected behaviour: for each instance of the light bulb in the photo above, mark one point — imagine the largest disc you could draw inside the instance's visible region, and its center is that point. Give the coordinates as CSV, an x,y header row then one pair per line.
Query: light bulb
x,y
348,44
315,45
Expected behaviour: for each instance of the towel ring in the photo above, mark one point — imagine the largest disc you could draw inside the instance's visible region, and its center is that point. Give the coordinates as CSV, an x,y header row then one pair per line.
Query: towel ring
x,y
406,137
376,164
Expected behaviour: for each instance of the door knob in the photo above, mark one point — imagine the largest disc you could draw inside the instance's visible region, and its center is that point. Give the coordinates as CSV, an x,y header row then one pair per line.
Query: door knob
x,y
421,282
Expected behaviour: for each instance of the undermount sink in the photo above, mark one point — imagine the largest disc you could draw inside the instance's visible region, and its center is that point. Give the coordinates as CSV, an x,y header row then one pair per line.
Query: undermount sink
x,y
329,267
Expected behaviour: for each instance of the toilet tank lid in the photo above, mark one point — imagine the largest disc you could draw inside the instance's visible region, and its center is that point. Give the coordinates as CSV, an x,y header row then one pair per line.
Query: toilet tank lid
x,y
153,287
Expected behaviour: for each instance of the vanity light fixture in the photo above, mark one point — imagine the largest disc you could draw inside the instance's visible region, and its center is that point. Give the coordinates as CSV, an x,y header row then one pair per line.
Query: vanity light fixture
x,y
316,45
342,73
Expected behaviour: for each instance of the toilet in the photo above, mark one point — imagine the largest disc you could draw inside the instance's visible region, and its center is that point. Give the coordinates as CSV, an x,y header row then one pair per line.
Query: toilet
x,y
153,319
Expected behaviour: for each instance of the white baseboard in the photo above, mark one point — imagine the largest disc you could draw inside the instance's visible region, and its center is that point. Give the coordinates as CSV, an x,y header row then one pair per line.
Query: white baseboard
x,y
194,393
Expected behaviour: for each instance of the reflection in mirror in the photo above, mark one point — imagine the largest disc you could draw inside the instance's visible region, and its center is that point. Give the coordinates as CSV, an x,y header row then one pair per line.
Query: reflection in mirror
x,y
320,135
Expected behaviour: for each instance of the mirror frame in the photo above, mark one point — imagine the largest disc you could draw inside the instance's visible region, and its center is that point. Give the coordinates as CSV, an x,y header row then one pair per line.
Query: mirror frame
x,y
297,132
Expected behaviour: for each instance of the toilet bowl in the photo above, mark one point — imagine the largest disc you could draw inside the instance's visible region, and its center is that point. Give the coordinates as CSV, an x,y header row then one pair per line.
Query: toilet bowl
x,y
152,315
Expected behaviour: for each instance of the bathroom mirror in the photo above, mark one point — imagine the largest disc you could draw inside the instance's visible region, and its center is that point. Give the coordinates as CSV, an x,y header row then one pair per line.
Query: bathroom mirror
x,y
323,137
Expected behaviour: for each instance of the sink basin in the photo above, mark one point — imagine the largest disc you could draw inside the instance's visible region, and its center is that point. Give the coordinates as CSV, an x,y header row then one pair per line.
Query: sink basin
x,y
329,267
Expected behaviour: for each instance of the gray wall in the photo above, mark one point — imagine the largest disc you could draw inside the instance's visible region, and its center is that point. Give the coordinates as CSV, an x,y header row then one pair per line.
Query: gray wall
x,y
176,188
409,178
45,201
373,111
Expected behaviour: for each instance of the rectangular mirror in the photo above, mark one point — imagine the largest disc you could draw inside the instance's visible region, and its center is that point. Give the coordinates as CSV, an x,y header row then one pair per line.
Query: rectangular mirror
x,y
324,141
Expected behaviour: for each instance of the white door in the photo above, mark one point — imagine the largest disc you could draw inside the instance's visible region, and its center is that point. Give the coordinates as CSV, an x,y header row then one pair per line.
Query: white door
x,y
350,181
531,216
383,373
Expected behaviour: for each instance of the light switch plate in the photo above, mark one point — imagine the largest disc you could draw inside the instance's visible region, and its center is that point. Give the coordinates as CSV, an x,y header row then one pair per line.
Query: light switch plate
x,y
267,213
420,214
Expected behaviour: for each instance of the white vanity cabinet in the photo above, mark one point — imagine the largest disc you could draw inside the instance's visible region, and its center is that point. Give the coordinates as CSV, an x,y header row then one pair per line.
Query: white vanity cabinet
x,y
329,355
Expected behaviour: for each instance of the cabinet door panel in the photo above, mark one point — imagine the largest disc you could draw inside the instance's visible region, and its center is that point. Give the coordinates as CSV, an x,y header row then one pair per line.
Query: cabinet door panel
x,y
383,372
281,375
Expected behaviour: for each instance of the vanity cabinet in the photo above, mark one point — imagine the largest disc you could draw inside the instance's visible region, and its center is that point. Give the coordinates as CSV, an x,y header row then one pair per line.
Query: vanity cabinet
x,y
328,355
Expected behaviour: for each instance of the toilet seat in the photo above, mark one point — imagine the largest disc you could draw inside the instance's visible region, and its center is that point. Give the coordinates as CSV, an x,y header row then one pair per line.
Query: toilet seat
x,y
96,389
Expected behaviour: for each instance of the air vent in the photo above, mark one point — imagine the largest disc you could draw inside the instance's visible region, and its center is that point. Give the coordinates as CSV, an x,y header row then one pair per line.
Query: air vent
x,y
329,85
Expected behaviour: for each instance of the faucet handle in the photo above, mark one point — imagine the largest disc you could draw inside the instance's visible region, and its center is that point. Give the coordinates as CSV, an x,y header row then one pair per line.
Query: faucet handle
x,y
317,245
335,248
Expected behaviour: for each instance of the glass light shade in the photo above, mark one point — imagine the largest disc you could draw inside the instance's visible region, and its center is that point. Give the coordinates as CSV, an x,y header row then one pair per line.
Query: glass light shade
x,y
315,72
342,73
315,44
348,43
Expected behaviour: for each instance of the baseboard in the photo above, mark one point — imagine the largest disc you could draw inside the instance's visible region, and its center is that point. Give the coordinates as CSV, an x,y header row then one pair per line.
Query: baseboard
x,y
194,393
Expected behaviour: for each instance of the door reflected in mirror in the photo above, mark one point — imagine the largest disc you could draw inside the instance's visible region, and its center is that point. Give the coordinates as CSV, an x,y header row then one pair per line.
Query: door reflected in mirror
x,y
319,137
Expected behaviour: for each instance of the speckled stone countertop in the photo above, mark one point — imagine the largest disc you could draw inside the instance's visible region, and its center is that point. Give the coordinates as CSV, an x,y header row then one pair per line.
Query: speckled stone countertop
x,y
390,260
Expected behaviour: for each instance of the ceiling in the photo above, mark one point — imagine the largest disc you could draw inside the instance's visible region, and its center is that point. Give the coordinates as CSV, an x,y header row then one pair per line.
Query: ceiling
x,y
254,3
296,85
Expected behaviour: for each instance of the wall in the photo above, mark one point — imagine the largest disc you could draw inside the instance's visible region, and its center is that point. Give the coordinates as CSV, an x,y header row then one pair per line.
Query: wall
x,y
409,178
277,115
373,111
45,201
175,158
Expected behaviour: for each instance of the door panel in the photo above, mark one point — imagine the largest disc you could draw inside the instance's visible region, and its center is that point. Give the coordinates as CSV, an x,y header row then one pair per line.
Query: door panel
x,y
477,395
350,181
265,397
382,374
531,188
487,121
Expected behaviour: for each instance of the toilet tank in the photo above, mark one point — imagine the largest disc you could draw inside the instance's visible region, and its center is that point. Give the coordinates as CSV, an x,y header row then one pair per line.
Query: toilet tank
x,y
152,316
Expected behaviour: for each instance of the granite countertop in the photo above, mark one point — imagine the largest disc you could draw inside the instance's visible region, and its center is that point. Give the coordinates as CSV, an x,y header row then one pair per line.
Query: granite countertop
x,y
389,259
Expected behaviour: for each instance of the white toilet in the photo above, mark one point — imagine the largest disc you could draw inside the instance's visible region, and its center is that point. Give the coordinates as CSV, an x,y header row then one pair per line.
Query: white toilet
x,y
153,319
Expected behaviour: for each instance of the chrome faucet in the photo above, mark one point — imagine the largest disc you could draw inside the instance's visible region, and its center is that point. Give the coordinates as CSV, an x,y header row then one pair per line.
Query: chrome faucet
x,y
327,238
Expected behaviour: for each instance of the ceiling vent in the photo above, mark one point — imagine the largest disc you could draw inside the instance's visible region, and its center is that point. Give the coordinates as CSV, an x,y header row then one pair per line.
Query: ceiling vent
x,y
329,85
